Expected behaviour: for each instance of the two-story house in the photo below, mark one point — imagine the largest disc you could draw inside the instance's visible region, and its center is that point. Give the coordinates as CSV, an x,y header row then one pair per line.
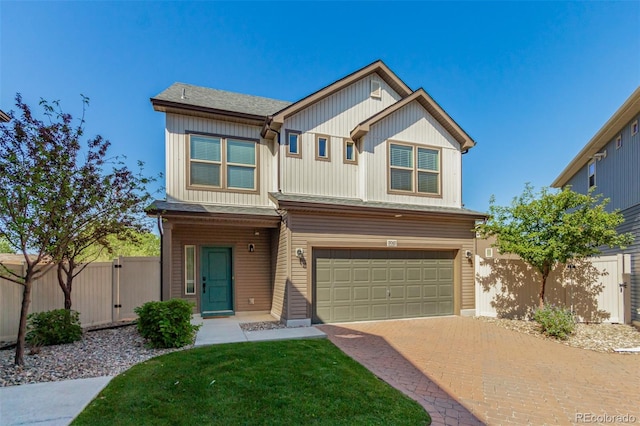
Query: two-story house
x,y
343,206
610,163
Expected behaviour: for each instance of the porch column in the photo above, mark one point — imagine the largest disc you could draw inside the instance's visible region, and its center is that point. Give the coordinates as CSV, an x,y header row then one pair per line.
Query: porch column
x,y
167,238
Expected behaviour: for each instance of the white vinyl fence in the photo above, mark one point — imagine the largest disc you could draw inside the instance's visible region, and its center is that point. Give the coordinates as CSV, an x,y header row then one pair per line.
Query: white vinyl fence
x,y
508,288
103,292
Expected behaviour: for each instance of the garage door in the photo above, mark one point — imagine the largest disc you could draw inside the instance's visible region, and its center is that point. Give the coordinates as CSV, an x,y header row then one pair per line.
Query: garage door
x,y
359,285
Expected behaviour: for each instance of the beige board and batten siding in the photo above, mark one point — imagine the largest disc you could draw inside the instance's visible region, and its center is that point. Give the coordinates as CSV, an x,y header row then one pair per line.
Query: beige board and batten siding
x,y
412,125
251,270
177,157
326,231
334,116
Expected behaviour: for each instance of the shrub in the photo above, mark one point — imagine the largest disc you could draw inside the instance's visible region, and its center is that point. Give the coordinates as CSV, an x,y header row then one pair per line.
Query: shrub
x,y
166,324
555,321
53,327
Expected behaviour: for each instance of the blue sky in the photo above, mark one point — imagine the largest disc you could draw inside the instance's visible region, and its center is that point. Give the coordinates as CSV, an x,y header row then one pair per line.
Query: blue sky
x,y
530,82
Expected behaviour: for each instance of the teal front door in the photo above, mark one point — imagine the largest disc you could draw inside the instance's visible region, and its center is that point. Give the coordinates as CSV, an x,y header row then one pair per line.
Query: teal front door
x,y
216,281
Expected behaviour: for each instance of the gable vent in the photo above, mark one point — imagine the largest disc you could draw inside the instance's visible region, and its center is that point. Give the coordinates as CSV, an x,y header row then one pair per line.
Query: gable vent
x,y
376,89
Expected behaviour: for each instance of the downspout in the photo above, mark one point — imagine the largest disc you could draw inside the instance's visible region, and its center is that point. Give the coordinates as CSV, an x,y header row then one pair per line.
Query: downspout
x,y
279,159
161,231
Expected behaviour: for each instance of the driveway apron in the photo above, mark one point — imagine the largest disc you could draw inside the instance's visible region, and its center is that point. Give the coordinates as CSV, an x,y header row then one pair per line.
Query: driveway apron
x,y
466,371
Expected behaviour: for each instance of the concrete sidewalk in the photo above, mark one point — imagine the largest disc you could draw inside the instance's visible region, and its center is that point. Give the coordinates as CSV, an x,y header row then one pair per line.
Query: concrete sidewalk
x,y
49,403
227,330
58,403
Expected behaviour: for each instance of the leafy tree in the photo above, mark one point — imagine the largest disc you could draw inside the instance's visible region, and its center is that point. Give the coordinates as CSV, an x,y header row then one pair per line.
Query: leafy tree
x,y
34,168
146,244
105,209
5,247
549,228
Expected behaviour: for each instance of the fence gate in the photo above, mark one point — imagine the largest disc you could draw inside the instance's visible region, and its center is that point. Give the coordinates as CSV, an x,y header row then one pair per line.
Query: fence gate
x,y
131,278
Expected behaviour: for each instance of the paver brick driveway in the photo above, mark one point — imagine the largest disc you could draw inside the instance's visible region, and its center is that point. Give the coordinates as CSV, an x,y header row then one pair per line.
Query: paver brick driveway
x,y
466,371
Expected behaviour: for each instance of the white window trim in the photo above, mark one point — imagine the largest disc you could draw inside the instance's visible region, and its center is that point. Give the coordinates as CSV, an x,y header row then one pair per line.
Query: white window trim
x,y
589,186
186,280
376,89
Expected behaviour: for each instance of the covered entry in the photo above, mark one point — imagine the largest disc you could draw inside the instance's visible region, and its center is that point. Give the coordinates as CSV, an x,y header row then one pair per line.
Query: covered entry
x,y
360,285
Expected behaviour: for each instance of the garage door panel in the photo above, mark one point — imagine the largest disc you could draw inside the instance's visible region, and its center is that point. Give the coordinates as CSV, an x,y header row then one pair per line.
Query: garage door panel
x,y
361,275
397,274
414,274
379,293
379,275
430,291
397,310
342,275
341,294
396,292
358,285
361,294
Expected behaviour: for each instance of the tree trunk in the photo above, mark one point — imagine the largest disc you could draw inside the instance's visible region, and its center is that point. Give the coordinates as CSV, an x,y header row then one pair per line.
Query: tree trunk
x,y
543,284
65,281
22,328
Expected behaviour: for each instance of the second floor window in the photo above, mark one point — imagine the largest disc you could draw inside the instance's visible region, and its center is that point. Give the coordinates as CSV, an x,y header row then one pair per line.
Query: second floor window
x,y
591,170
223,163
414,169
294,142
322,148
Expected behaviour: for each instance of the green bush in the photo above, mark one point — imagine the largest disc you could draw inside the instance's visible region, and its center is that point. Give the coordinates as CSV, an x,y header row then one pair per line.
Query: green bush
x,y
555,321
53,327
166,324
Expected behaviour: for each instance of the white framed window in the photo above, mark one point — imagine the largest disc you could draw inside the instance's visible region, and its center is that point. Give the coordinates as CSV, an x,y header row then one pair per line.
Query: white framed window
x,y
376,89
323,148
414,169
294,143
224,163
591,172
189,269
634,128
619,142
350,152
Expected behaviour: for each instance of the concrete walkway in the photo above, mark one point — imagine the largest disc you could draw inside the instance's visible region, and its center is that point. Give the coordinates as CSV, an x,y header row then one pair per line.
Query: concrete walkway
x,y
58,403
49,403
227,330
466,371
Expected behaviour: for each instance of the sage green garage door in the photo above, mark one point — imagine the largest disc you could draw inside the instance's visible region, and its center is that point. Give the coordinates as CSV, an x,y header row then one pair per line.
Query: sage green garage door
x,y
359,285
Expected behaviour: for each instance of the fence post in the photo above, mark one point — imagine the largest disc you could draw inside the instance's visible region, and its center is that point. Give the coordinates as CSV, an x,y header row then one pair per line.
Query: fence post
x,y
115,274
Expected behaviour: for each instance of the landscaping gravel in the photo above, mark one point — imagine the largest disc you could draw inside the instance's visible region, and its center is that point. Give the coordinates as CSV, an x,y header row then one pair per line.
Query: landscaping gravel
x,y
99,353
595,337
262,325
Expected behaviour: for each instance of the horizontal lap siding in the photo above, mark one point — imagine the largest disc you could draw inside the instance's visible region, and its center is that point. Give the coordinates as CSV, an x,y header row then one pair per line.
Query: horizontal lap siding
x,y
252,271
176,161
372,233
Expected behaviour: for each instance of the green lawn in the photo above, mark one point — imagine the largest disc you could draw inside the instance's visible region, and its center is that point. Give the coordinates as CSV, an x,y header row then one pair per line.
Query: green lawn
x,y
269,383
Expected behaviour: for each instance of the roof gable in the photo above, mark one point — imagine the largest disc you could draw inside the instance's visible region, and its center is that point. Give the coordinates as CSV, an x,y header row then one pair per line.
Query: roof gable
x,y
624,114
432,107
378,67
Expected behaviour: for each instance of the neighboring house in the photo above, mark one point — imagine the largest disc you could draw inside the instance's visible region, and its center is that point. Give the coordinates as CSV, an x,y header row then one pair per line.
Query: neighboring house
x,y
343,206
610,162
4,117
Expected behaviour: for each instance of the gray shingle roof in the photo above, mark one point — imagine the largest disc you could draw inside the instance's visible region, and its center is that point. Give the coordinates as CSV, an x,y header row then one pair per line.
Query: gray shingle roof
x,y
171,207
221,100
356,202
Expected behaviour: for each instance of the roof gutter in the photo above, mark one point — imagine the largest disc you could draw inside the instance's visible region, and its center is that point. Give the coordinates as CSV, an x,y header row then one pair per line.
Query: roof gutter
x,y
161,105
